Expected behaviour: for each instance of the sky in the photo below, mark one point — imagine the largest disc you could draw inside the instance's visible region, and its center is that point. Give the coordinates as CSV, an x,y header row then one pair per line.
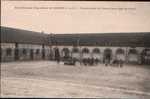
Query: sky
x,y
76,17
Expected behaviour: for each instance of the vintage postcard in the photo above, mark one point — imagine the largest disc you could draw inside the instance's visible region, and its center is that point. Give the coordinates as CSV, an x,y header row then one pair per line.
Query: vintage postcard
x,y
75,49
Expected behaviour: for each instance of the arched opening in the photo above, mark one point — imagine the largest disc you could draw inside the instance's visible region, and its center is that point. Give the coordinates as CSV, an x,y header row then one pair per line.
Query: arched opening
x,y
120,51
107,55
96,55
37,51
75,53
8,52
75,50
133,56
120,54
37,54
65,53
96,50
86,57
24,54
85,50
145,56
85,53
43,53
56,54
16,54
24,51
31,54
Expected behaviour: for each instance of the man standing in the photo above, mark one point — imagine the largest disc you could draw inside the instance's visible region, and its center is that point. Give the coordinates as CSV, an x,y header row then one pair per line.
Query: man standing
x,y
107,59
57,55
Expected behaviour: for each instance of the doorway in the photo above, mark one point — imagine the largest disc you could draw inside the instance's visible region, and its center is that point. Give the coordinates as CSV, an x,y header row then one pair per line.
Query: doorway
x,y
107,55
31,54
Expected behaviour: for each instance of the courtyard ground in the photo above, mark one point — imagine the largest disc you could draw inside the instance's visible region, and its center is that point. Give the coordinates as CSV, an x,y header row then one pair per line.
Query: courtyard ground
x,y
49,79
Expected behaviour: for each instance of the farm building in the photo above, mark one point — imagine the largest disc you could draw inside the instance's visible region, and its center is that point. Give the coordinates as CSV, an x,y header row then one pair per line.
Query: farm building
x,y
24,45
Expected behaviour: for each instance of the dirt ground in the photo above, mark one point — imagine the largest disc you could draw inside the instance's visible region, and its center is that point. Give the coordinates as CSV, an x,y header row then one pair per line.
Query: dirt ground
x,y
49,79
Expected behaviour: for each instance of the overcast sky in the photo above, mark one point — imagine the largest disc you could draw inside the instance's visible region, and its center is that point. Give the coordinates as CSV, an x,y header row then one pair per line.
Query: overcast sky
x,y
76,17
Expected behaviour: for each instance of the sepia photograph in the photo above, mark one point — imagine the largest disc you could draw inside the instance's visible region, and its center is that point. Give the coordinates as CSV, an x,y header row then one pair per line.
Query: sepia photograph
x,y
75,49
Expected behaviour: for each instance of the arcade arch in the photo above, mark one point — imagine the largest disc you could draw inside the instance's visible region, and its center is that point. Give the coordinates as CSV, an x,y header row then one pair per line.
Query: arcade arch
x,y
133,56
120,54
107,54
65,53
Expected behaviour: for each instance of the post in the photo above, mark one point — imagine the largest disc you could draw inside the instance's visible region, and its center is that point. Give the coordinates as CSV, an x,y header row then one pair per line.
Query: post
x,y
16,52
126,55
80,52
43,51
51,56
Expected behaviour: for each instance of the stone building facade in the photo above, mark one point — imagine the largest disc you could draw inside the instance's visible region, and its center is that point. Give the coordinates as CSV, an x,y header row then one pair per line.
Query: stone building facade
x,y
127,54
22,45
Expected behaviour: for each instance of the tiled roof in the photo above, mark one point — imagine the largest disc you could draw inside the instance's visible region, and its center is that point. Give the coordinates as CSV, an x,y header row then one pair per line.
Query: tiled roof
x,y
88,39
9,35
105,39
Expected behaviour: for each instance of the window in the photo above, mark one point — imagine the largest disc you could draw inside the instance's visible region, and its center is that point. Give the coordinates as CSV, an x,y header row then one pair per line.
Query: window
x,y
75,50
107,53
65,50
132,51
107,50
8,52
85,50
24,51
37,51
120,51
96,50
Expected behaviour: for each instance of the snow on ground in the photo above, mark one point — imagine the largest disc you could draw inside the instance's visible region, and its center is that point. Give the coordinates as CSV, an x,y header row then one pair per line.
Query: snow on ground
x,y
49,79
